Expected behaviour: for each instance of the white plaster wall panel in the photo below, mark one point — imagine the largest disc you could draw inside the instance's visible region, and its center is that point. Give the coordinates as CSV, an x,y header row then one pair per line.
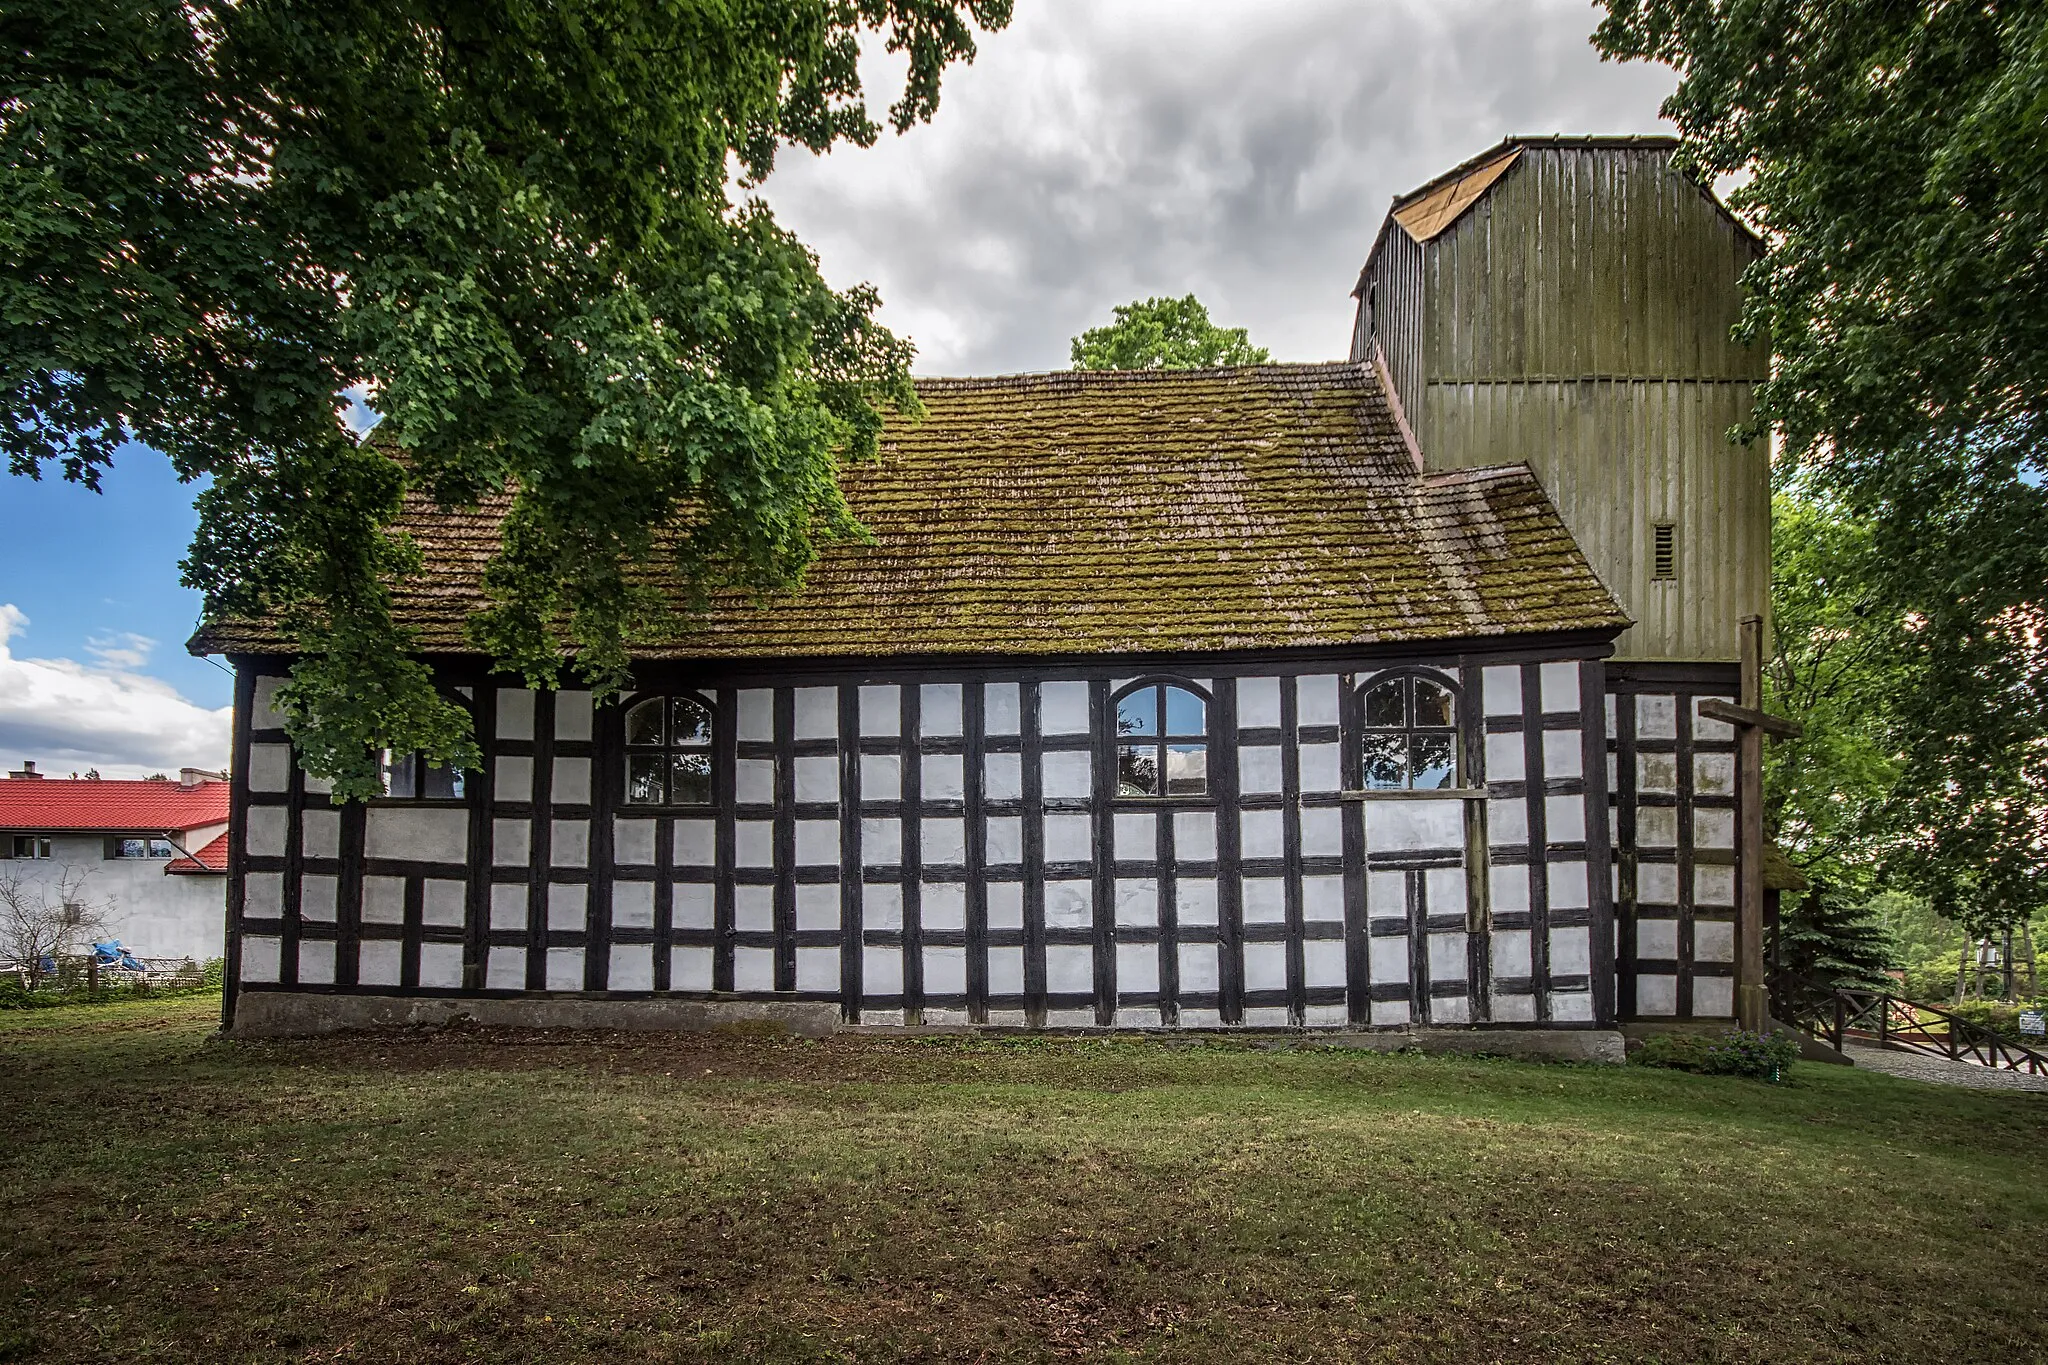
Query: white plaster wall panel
x,y
1709,730
633,842
270,767
1713,774
259,958
757,715
817,778
753,969
881,777
1006,971
817,969
633,905
1657,773
1264,900
1713,997
817,713
938,710
1081,1018
379,962
1656,717
882,906
1001,709
1137,836
569,843
1194,836
316,897
265,836
1446,957
1564,819
571,782
1002,777
689,968
1613,727
1511,953
508,906
1656,826
1657,883
573,716
1321,768
1063,708
1137,902
942,777
1258,770
1501,687
445,904
1325,1016
1713,828
512,843
1385,1012
1414,826
1564,754
1507,822
1613,772
817,843
631,967
1571,1007
1137,970
505,968
316,962
263,712
943,905
1258,703
1508,888
1322,899
568,906
1571,951
1387,960
1506,760
753,781
1265,966
1386,895
1004,843
817,905
515,713
1315,699
1005,905
693,905
1713,940
1064,775
1656,938
1713,885
1069,839
1513,1009
753,909
945,971
1322,832
1195,901
426,836
1069,905
1443,890
753,843
1568,886
1560,686
441,965
512,778
1201,970
1069,969
383,900
943,842
1457,1010
696,843
1261,834
1322,963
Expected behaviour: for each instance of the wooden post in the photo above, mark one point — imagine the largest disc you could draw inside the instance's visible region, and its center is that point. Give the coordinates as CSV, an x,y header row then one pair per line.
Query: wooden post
x,y
1751,1008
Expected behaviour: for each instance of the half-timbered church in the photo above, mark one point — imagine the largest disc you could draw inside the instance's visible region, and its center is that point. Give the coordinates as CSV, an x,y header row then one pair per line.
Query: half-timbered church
x,y
1360,695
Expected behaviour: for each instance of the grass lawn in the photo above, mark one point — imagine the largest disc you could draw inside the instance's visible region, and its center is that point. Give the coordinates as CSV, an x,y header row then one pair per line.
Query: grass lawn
x,y
482,1197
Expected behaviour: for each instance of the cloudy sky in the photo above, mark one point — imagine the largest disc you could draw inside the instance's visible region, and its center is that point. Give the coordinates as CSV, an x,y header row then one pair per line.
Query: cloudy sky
x,y
1098,151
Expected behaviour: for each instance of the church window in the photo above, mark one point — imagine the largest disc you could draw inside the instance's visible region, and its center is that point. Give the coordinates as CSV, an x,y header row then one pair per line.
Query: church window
x,y
1162,740
1410,734
669,751
414,776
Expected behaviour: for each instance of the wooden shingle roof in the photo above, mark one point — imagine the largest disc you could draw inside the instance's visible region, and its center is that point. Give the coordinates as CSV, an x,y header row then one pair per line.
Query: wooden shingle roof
x,y
1117,512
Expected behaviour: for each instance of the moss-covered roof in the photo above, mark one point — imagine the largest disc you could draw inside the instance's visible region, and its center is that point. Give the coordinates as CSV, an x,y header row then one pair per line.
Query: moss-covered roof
x,y
1119,512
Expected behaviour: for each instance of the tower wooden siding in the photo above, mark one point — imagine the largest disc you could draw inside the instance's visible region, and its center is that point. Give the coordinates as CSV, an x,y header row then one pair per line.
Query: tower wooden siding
x,y
1578,317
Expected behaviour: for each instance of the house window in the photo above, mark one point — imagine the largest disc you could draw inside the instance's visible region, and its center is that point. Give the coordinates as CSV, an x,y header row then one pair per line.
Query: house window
x,y
1162,740
668,751
140,848
1410,736
414,777
29,846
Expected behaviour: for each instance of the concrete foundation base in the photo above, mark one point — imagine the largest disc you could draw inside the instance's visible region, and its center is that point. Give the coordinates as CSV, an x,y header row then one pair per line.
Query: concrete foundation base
x,y
298,1014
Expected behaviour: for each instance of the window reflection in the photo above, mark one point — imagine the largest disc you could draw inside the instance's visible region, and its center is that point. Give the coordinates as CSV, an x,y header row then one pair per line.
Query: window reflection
x,y
668,751
1410,741
1163,742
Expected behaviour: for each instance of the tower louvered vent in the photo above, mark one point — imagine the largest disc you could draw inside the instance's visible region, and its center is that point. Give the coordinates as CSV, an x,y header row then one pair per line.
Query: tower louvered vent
x,y
1664,551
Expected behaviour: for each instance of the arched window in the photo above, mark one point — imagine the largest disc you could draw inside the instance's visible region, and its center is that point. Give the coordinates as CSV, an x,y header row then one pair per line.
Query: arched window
x,y
668,751
1410,737
1162,740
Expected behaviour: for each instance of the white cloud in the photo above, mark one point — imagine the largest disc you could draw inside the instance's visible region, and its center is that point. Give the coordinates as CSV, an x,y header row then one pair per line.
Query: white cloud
x,y
69,716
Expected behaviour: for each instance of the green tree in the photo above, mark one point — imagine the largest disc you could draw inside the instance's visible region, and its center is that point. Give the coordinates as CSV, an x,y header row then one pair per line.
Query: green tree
x,y
1164,334
1897,169
512,221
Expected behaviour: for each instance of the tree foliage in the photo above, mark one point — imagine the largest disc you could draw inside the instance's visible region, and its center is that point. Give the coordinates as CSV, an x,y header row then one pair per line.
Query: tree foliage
x,y
512,222
1897,169
1164,334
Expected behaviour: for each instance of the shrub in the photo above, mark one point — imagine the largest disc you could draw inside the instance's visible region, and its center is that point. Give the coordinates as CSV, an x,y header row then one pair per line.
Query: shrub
x,y
1766,1057
2000,1016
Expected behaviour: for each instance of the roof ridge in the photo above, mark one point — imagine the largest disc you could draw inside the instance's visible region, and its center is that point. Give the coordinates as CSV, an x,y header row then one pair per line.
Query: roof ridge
x,y
1159,375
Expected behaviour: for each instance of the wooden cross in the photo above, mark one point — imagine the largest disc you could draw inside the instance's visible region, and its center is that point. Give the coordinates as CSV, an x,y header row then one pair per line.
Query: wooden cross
x,y
1752,723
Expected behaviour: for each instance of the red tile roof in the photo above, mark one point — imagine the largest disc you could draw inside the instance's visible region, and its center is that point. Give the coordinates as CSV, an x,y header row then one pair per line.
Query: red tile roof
x,y
110,807
213,858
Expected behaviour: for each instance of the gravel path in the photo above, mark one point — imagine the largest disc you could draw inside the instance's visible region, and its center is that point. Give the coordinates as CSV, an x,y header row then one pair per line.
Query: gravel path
x,y
1941,1071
